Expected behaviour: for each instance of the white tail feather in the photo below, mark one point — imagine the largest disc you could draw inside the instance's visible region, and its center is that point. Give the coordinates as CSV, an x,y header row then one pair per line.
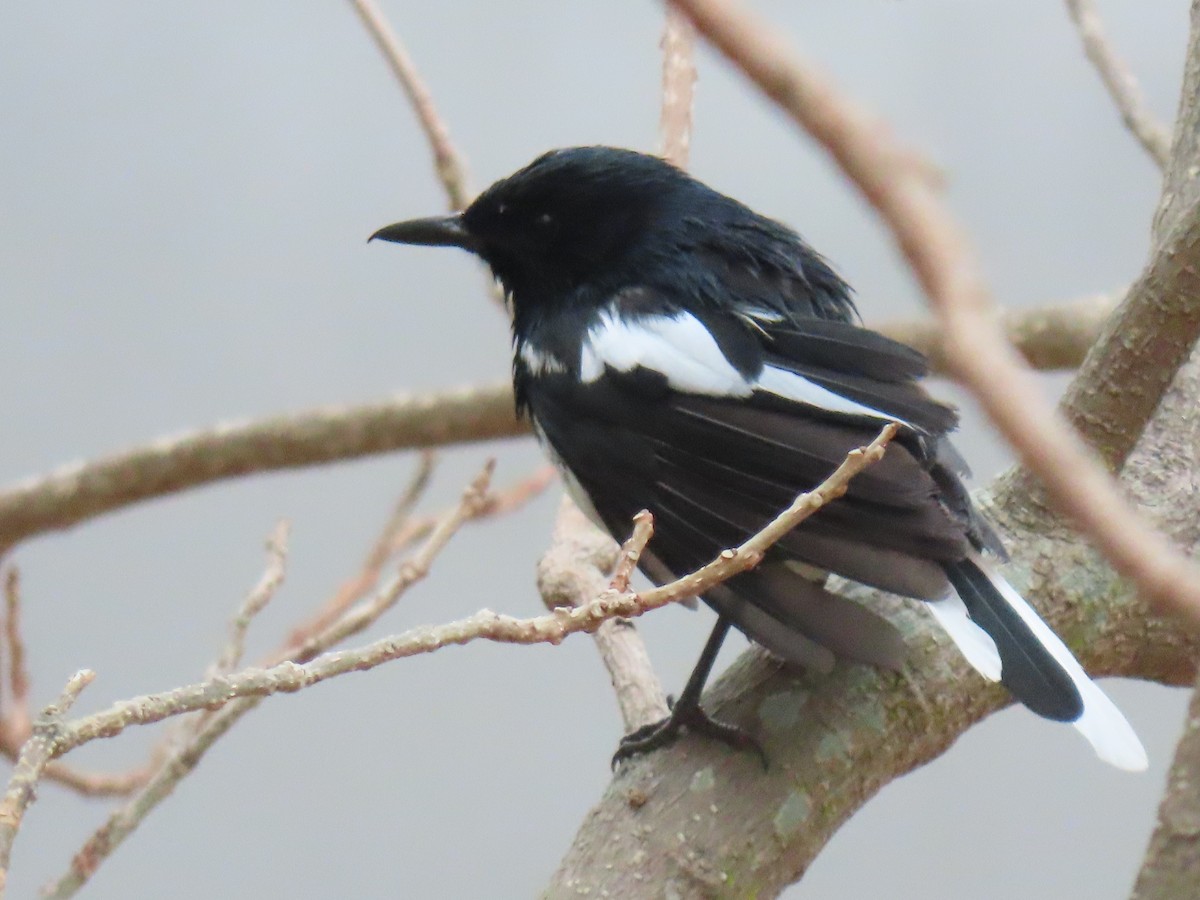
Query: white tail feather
x,y
972,641
1105,728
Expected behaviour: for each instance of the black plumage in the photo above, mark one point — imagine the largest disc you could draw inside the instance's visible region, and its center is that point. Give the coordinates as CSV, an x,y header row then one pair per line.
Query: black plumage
x,y
677,352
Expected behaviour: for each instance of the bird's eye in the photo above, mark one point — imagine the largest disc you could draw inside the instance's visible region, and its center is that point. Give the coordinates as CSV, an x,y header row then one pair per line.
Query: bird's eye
x,y
501,209
545,219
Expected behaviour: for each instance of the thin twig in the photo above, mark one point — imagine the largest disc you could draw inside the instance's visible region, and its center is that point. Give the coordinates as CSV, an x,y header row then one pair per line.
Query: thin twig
x,y
450,164
17,717
256,601
497,503
241,692
41,747
356,587
631,551
411,571
1118,80
16,725
451,169
484,625
184,758
573,571
940,257
400,535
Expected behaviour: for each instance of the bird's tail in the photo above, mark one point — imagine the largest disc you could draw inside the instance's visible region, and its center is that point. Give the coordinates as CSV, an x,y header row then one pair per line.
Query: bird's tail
x,y
1002,636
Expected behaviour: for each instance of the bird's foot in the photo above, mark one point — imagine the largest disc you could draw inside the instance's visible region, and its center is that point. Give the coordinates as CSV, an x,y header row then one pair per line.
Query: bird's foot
x,y
693,719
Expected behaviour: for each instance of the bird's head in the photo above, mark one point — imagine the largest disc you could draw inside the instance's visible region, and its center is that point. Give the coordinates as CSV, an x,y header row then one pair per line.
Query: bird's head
x,y
578,216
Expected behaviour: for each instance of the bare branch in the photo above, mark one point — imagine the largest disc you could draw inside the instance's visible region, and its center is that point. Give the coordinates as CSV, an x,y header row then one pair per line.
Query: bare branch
x,y
484,625
631,551
183,759
41,747
1141,346
1119,82
411,571
240,692
85,490
451,169
256,601
17,717
678,88
572,572
937,251
356,587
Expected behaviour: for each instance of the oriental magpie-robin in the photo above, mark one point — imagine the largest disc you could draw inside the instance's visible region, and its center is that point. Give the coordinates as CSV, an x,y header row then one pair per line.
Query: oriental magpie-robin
x,y
677,352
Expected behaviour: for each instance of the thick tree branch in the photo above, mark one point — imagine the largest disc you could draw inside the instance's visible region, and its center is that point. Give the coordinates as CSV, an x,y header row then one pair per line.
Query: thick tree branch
x,y
709,822
85,490
940,257
1173,858
1141,346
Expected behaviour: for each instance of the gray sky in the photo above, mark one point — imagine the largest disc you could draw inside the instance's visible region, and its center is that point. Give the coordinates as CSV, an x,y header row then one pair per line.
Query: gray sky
x,y
185,191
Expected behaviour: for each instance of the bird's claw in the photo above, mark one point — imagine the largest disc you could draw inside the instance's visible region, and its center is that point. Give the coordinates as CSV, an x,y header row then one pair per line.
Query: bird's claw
x,y
694,720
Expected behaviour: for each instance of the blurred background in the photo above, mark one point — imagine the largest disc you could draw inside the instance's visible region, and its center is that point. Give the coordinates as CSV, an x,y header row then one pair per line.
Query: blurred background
x,y
185,194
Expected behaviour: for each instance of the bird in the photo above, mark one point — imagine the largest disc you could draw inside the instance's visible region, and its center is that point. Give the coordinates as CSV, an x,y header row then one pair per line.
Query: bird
x,y
677,352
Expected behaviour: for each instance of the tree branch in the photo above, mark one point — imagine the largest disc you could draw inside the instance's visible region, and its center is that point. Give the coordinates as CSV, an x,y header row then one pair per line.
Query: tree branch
x,y
678,88
183,758
290,676
239,692
41,747
451,169
710,823
1173,858
900,189
572,572
85,490
256,601
1122,87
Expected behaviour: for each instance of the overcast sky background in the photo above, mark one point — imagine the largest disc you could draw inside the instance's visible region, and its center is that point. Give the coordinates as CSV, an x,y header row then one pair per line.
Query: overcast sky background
x,y
185,191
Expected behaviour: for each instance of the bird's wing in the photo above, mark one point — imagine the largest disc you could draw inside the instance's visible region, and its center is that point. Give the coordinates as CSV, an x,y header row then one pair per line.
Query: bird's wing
x,y
674,412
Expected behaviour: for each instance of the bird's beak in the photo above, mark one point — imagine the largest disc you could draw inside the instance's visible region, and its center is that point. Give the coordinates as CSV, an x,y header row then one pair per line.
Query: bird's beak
x,y
435,231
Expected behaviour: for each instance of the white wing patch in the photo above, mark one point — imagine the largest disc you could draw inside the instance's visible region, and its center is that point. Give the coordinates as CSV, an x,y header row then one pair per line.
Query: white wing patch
x,y
682,349
678,346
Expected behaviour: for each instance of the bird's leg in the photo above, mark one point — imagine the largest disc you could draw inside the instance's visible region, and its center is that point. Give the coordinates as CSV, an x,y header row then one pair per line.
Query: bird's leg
x,y
687,713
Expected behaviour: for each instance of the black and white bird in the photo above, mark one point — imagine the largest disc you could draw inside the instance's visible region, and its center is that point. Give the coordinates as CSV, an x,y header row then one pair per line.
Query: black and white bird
x,y
677,352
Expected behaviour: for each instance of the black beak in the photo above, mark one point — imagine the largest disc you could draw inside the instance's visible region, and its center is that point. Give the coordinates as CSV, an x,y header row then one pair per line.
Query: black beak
x,y
435,231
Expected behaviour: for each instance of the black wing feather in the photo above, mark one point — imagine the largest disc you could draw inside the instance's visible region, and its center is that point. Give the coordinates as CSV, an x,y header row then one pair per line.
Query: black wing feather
x,y
714,470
